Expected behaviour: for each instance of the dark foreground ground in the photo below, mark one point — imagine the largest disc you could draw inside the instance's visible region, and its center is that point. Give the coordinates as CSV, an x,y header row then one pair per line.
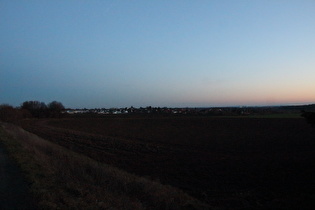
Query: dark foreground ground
x,y
14,190
230,163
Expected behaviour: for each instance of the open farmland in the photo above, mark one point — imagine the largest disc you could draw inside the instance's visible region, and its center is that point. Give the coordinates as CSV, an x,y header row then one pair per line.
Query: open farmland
x,y
230,163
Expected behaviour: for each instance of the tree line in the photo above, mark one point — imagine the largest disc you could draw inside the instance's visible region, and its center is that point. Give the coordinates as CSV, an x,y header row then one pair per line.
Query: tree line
x,y
29,109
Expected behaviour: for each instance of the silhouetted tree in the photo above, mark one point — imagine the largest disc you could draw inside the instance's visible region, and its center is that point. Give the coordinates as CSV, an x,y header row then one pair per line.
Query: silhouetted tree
x,y
36,108
55,108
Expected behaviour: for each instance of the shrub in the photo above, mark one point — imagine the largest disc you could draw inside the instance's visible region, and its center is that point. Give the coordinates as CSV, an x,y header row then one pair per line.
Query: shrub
x,y
10,114
310,117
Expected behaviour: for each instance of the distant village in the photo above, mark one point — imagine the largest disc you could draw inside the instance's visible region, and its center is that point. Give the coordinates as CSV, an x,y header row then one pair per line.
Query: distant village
x,y
215,111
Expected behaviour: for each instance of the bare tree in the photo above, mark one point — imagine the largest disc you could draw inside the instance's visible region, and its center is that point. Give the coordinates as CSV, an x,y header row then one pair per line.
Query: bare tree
x,y
55,108
36,108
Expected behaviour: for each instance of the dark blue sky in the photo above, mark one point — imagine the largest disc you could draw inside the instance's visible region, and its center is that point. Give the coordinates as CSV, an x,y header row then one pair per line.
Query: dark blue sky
x,y
159,53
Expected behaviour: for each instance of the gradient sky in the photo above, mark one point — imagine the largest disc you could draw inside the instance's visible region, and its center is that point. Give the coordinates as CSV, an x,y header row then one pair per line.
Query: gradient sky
x,y
161,53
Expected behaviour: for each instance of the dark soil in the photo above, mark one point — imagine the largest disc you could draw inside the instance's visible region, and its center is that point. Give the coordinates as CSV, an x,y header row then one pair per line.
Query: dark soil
x,y
230,163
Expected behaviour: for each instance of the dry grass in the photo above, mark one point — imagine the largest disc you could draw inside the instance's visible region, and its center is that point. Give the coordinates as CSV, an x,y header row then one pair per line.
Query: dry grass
x,y
63,179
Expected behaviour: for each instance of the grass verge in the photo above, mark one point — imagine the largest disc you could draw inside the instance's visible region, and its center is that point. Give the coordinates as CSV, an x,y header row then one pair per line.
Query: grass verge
x,y
63,179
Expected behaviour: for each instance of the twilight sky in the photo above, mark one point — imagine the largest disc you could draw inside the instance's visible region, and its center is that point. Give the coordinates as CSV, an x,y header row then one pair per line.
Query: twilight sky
x,y
184,53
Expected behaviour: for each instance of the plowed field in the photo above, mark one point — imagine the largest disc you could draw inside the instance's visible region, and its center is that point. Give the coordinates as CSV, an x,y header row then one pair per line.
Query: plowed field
x,y
230,163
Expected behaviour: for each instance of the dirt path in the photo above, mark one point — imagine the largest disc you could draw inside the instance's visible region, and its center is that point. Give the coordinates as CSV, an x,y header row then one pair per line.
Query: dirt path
x,y
14,190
